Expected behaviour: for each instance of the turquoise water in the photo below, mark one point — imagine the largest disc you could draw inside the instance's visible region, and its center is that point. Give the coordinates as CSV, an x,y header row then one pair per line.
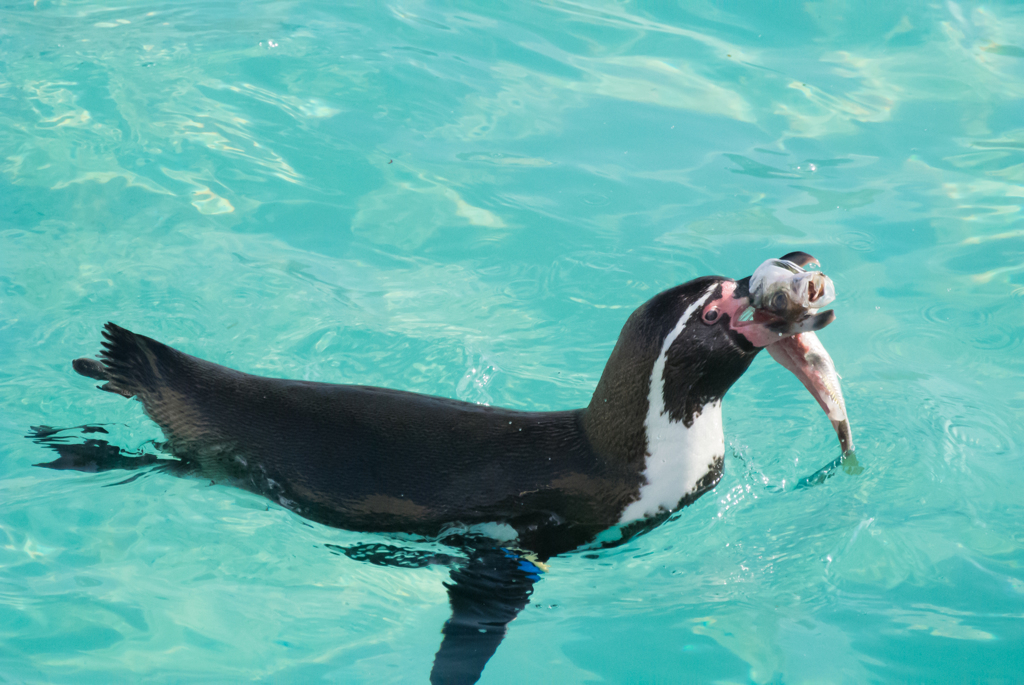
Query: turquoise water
x,y
468,199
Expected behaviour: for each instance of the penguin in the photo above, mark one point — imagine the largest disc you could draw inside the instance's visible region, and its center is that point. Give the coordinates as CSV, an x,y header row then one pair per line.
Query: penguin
x,y
380,460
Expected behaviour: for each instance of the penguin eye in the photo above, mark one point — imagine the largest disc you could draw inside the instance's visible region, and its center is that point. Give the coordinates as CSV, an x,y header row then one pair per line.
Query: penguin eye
x,y
711,315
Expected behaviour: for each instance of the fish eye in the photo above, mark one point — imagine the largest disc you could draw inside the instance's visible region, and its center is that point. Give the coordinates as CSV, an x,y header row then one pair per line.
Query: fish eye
x,y
779,301
711,315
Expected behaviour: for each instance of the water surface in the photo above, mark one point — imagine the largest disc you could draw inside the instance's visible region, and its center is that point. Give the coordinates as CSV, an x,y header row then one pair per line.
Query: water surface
x,y
468,199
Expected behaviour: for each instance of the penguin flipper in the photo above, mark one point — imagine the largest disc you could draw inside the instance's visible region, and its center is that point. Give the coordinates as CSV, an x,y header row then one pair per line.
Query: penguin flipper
x,y
485,595
379,554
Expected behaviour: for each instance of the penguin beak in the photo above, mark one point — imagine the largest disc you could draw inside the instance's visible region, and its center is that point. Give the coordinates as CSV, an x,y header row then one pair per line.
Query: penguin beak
x,y
763,328
787,330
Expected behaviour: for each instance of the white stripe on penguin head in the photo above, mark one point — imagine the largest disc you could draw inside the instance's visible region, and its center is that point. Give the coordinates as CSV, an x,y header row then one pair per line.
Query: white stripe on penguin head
x,y
677,456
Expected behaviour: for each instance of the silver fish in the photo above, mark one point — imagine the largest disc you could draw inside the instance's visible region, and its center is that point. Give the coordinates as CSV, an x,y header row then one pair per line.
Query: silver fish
x,y
784,289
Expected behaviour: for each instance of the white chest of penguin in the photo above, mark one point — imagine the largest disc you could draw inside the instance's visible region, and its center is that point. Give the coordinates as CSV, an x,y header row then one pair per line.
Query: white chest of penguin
x,y
678,456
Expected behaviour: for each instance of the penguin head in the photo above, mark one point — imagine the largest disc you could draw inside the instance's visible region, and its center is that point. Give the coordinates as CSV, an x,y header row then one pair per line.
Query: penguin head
x,y
692,342
724,323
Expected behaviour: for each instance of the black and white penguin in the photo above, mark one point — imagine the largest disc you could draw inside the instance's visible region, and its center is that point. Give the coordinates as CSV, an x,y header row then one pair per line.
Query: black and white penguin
x,y
381,460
